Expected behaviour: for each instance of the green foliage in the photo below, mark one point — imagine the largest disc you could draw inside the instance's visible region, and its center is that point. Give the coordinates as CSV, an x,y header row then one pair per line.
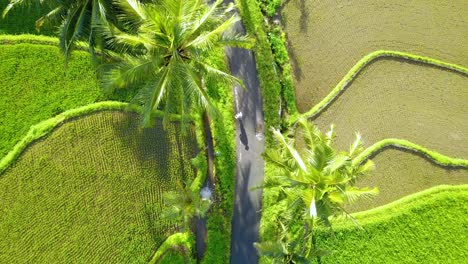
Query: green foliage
x,y
427,227
268,77
364,62
405,144
184,241
22,20
170,70
223,129
93,184
219,237
277,40
270,7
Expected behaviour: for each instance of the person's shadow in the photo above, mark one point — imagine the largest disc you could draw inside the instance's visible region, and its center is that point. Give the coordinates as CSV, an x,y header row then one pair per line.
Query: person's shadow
x,y
243,136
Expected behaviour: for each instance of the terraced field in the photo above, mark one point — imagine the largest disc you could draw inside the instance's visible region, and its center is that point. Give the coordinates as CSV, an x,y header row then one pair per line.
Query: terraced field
x,y
328,37
90,192
424,228
35,86
399,173
389,97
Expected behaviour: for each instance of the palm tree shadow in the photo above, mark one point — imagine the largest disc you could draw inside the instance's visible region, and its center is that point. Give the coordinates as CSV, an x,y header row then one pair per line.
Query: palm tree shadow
x,y
146,145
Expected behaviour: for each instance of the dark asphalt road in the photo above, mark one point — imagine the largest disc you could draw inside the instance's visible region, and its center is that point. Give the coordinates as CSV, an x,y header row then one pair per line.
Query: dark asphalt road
x,y
250,165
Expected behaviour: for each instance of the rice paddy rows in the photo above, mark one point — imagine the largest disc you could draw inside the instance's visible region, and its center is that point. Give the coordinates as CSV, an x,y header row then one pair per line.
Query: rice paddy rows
x,y
399,173
389,98
429,227
425,105
328,37
91,191
35,86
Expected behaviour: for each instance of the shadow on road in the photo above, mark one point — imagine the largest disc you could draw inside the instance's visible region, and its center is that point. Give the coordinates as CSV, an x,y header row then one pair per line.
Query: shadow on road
x,y
243,136
245,221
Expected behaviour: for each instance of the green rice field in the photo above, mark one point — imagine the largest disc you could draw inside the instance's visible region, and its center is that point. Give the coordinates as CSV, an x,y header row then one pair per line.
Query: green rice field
x,y
36,86
424,228
328,37
22,20
90,192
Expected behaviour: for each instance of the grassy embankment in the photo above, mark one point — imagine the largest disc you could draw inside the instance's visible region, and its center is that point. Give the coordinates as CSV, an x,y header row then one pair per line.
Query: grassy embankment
x,y
108,176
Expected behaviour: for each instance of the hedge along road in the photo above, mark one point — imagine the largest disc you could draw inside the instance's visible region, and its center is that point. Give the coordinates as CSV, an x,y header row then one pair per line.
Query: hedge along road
x,y
249,147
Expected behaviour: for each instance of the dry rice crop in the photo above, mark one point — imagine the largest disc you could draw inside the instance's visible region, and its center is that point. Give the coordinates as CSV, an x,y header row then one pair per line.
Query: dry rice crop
x,y
399,173
328,37
90,192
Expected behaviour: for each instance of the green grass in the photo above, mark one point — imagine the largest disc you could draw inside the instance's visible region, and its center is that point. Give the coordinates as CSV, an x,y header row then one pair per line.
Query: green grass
x,y
405,144
22,20
91,190
428,227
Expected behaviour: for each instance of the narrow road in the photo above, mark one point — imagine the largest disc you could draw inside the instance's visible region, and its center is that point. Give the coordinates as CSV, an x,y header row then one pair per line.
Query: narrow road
x,y
249,147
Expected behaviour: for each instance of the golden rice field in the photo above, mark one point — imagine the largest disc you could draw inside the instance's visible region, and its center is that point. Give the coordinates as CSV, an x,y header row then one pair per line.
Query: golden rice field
x,y
90,192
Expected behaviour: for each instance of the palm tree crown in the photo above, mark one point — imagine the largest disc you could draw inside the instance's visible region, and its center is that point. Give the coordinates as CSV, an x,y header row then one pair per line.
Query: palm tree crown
x,y
78,20
166,53
321,180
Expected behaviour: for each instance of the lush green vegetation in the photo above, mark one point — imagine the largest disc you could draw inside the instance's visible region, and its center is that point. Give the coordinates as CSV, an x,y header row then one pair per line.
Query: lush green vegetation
x,y
36,86
22,20
405,144
269,80
425,227
91,191
177,242
219,218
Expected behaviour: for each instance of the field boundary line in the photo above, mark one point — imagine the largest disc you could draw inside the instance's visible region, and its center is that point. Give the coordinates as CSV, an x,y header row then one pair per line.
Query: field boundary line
x,y
363,62
403,144
401,206
45,127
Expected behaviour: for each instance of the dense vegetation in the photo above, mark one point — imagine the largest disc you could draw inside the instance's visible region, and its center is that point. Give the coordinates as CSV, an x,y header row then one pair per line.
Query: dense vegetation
x,y
428,227
91,191
22,20
36,86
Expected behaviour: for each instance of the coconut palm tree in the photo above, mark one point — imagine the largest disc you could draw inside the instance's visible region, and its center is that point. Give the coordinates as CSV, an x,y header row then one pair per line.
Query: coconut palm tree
x,y
184,205
167,55
78,20
286,249
319,180
315,183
